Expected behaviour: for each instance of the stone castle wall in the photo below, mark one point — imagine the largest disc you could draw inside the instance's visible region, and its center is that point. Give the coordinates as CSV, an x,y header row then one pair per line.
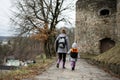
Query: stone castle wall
x,y
95,20
118,19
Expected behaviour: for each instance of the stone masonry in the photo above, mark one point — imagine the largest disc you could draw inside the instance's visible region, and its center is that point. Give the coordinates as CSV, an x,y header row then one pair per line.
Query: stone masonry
x,y
97,25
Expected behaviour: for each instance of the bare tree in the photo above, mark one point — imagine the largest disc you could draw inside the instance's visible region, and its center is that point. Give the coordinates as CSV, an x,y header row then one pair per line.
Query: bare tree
x,y
38,19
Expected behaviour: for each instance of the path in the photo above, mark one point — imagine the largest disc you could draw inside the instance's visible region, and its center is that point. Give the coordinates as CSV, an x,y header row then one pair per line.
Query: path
x,y
84,71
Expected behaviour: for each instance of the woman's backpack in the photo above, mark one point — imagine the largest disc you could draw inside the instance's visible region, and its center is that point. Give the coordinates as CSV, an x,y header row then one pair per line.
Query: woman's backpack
x,y
62,42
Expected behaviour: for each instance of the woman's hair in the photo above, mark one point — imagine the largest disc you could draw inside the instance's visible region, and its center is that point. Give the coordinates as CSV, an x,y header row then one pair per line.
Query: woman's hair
x,y
63,31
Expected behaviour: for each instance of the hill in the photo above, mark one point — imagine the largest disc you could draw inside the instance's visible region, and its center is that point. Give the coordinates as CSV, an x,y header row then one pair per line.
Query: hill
x,y
111,56
4,38
109,60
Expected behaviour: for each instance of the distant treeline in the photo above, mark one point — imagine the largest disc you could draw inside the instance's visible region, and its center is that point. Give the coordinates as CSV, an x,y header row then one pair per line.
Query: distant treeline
x,y
5,38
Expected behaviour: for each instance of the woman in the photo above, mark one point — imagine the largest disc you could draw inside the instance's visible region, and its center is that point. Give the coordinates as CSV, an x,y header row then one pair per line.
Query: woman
x,y
62,47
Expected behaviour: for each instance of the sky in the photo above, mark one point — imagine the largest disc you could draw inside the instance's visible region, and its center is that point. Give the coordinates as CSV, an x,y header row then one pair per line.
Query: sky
x,y
5,6
5,14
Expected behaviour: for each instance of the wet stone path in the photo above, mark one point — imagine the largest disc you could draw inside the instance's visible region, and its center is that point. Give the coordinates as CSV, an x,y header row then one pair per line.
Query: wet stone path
x,y
83,71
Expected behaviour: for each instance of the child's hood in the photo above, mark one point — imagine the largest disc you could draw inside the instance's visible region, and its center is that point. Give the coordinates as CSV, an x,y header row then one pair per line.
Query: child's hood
x,y
74,45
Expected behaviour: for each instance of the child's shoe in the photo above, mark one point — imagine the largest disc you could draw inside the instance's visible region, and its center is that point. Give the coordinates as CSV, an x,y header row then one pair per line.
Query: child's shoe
x,y
73,68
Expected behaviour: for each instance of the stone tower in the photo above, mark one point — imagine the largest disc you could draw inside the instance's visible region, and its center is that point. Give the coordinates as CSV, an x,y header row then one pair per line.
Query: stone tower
x,y
97,27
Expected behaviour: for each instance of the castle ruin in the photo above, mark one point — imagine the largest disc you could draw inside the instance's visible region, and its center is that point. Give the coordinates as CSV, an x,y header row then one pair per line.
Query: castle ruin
x,y
97,25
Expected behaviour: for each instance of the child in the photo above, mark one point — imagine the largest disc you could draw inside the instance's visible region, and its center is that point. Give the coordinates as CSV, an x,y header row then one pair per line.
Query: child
x,y
73,55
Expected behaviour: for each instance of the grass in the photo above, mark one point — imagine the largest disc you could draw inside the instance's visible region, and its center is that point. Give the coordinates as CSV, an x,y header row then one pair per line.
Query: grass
x,y
111,56
87,55
27,72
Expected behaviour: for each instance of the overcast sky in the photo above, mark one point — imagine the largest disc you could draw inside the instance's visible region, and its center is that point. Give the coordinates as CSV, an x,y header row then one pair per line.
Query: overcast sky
x,y
4,17
5,13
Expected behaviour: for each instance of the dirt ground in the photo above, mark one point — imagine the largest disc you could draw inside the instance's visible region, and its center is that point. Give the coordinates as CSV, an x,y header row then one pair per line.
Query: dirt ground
x,y
83,71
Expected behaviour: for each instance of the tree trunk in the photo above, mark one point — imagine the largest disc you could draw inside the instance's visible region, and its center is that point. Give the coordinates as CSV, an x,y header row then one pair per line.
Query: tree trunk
x,y
49,47
51,42
46,49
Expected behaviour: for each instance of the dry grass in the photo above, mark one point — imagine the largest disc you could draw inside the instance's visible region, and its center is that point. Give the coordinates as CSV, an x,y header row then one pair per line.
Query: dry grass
x,y
87,55
111,56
